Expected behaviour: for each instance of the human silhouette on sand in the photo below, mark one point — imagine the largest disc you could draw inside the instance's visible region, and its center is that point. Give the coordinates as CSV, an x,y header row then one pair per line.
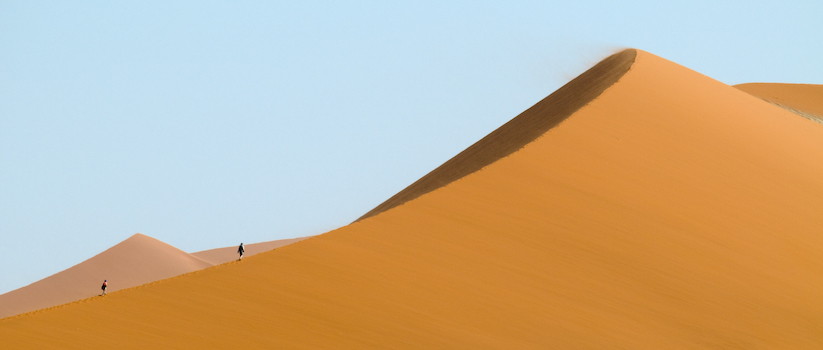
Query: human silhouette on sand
x,y
105,284
241,250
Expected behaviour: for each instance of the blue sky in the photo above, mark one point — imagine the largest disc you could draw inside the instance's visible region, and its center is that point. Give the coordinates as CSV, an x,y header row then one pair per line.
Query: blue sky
x,y
207,124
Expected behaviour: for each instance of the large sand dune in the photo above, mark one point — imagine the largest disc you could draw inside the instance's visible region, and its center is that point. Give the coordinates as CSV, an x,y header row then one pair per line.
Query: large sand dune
x,y
137,260
670,212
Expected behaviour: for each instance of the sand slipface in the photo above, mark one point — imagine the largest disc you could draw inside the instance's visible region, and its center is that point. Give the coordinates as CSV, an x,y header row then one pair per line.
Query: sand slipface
x,y
219,256
803,99
138,260
672,211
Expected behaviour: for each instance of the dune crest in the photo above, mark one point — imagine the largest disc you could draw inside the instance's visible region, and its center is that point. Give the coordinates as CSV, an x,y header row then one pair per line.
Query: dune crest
x,y
223,255
805,100
137,260
519,131
671,212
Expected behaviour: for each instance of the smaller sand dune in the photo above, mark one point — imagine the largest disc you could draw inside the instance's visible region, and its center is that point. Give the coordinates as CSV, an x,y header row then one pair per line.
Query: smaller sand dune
x,y
803,99
219,256
519,131
138,260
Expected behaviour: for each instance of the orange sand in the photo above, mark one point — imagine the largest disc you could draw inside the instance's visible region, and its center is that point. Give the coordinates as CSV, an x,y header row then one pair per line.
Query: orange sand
x,y
672,212
805,98
219,256
137,260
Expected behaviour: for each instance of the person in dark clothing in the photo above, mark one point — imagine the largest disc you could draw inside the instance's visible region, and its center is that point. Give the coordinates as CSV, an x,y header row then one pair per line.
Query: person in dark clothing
x,y
241,250
105,284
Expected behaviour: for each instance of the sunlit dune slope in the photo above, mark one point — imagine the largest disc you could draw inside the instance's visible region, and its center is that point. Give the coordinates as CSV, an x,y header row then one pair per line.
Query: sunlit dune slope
x,y
223,255
137,260
804,99
671,212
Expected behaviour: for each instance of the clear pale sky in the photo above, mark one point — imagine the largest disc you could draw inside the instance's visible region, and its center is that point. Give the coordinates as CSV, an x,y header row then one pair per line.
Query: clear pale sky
x,y
207,124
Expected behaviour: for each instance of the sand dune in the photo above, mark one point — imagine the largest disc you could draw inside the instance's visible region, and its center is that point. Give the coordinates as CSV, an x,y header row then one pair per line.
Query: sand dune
x,y
672,211
803,99
137,260
219,256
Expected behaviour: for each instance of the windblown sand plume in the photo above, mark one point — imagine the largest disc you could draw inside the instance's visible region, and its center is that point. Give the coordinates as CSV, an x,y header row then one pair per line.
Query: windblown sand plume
x,y
645,206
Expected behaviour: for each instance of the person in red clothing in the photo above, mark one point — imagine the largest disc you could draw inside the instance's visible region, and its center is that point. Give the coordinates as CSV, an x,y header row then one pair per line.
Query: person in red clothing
x,y
105,284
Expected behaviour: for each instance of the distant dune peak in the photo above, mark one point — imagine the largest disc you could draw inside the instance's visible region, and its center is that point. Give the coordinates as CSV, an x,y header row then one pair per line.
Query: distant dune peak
x,y
139,238
519,131
137,260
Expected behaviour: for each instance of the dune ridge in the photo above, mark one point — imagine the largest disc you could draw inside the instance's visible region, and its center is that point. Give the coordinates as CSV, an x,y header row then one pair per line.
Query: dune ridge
x,y
805,100
519,131
219,256
137,260
672,212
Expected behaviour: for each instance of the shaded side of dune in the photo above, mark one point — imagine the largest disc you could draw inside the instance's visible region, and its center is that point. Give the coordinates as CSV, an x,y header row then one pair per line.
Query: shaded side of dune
x,y
138,260
519,131
805,100
219,256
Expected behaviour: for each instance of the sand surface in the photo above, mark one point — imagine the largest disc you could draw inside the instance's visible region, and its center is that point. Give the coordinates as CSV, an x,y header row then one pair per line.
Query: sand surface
x,y
799,98
219,256
137,260
672,212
